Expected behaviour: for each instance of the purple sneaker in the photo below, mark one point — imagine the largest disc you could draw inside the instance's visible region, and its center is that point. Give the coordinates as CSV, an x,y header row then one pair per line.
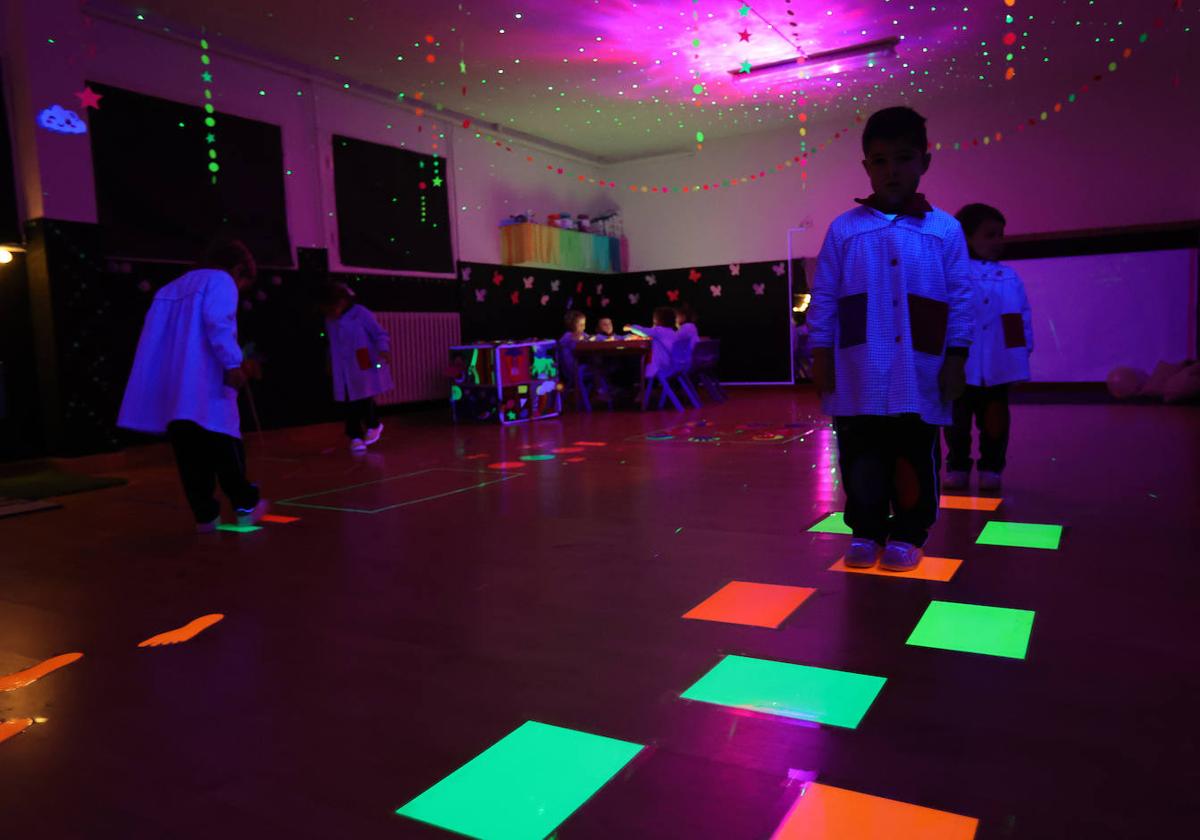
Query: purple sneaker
x,y
863,554
900,557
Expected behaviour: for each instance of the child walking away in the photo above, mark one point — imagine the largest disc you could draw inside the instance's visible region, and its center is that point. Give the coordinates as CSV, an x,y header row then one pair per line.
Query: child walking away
x,y
999,356
890,322
358,350
185,379
662,336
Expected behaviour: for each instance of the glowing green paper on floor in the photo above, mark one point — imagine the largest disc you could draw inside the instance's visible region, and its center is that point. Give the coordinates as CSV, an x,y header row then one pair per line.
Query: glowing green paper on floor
x,y
238,529
995,631
832,524
838,698
523,786
1021,535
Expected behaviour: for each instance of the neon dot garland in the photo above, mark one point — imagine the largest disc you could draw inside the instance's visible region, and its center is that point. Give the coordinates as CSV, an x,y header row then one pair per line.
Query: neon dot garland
x,y
1033,120
210,119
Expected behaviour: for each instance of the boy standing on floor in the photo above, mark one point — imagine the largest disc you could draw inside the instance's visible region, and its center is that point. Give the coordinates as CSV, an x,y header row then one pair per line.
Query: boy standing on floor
x,y
358,350
890,322
185,381
1000,352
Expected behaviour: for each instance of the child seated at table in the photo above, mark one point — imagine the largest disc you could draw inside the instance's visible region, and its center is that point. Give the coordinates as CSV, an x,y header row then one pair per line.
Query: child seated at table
x,y
663,337
576,324
604,329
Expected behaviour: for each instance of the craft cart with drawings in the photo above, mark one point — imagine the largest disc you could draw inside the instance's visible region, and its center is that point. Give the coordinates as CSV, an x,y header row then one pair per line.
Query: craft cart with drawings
x,y
513,382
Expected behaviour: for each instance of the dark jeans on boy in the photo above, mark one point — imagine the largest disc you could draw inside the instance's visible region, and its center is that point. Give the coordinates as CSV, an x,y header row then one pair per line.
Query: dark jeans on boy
x,y
360,416
989,408
889,469
205,458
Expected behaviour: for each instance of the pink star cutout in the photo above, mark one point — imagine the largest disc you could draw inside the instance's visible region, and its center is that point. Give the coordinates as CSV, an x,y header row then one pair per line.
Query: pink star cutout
x,y
88,98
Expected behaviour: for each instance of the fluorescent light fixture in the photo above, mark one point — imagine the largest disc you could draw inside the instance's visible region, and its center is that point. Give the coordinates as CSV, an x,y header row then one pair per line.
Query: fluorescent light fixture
x,y
839,60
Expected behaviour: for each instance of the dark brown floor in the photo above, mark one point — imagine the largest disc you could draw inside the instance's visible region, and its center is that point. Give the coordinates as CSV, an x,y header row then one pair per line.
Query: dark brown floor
x,y
365,656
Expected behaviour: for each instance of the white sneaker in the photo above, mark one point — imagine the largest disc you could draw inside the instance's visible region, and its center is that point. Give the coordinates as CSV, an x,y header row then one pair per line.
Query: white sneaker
x,y
357,446
374,434
956,480
989,480
254,514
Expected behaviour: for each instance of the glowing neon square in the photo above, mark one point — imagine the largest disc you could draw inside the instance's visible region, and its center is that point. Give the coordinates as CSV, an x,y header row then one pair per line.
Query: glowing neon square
x,y
756,604
987,503
537,457
1021,535
524,785
822,812
280,520
995,631
834,523
238,529
931,568
837,698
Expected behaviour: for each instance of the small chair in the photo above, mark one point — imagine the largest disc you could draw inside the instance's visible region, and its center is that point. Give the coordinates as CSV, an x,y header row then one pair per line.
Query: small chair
x,y
704,367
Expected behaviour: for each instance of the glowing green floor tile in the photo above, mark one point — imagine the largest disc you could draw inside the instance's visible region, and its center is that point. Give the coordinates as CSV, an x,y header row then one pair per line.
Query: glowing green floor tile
x,y
238,529
523,786
1021,535
832,524
838,698
995,631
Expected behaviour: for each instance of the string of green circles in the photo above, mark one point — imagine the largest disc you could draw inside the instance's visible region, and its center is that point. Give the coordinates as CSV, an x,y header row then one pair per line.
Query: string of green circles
x,y
210,120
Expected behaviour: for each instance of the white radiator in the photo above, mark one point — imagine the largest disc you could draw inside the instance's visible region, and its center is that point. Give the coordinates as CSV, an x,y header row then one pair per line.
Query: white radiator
x,y
421,343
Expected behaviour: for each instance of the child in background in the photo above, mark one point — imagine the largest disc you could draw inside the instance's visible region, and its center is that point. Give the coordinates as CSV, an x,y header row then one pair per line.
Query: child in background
x,y
999,356
890,323
686,336
663,336
604,329
358,349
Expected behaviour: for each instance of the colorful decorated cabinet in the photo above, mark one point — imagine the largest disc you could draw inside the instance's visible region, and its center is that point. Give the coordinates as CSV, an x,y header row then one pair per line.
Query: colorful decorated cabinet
x,y
513,382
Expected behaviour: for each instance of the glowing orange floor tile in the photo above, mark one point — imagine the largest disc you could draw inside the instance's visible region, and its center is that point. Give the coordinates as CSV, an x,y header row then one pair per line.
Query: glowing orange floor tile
x,y
828,813
23,678
280,520
987,503
9,728
931,568
590,443
756,604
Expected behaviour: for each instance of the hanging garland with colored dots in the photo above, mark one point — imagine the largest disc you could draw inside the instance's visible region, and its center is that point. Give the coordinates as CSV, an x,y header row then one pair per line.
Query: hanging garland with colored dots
x,y
989,139
210,119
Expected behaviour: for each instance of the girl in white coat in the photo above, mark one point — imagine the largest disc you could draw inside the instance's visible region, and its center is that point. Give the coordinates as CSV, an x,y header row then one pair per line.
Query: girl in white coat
x,y
185,381
999,353
359,350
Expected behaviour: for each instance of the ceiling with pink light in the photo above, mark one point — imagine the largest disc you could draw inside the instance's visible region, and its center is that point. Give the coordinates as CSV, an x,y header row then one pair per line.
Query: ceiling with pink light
x,y
618,80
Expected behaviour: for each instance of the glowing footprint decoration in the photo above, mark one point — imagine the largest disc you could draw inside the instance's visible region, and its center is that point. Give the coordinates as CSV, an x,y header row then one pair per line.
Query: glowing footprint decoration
x,y
9,728
23,678
184,633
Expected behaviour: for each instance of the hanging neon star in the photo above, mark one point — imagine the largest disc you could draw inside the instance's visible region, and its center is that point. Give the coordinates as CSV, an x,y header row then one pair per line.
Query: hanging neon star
x,y
744,35
206,76
88,98
462,67
437,182
745,67
210,138
744,11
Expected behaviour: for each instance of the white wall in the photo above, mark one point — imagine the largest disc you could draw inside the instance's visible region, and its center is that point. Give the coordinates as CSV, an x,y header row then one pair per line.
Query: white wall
x,y
1094,313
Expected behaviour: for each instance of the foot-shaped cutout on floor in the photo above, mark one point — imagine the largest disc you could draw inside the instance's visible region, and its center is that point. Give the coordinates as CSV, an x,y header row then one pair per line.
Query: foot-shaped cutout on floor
x,y
23,678
184,633
16,726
